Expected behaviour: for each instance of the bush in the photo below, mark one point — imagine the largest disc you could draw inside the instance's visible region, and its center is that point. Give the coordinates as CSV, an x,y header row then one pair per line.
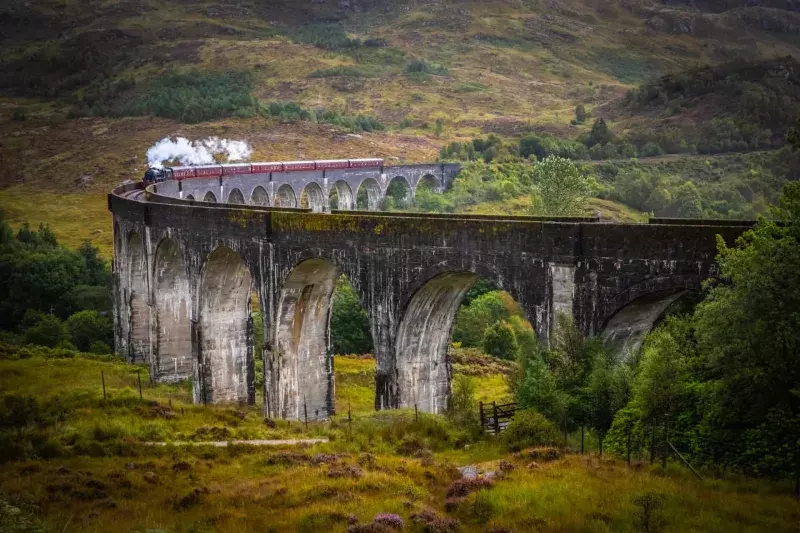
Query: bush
x,y
500,341
47,331
89,327
421,69
528,428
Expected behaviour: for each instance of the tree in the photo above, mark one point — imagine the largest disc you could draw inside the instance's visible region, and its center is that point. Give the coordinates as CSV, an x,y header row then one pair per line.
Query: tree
x,y
580,114
600,134
748,328
499,341
561,186
47,331
87,327
349,321
473,319
606,393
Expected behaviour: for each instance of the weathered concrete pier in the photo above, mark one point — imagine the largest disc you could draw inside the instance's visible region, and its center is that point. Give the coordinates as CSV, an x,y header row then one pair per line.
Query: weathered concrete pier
x,y
188,272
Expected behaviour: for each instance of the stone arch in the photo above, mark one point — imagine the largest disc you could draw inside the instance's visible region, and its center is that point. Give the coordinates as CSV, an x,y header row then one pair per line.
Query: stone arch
x,y
400,190
226,366
236,197
210,197
139,310
312,197
626,329
189,197
259,196
303,341
422,365
345,200
368,195
172,359
430,182
285,197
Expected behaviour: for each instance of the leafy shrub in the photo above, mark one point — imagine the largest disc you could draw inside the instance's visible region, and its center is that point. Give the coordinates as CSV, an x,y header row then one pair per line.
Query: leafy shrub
x,y
500,341
528,428
421,69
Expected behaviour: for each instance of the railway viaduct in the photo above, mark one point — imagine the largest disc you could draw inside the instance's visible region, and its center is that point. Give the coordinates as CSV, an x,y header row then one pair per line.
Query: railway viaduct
x,y
187,274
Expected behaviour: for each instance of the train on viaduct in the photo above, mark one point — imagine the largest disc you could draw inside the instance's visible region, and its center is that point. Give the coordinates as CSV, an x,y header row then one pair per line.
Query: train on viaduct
x,y
194,258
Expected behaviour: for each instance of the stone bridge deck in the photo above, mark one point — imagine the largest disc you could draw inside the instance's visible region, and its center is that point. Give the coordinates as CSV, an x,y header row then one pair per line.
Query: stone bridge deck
x,y
187,275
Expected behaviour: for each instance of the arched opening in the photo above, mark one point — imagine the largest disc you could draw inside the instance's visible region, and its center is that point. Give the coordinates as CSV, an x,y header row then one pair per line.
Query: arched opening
x,y
172,359
285,197
303,342
139,331
463,318
210,197
368,197
398,194
236,197
189,197
352,346
312,197
224,330
341,196
423,337
429,183
627,329
259,196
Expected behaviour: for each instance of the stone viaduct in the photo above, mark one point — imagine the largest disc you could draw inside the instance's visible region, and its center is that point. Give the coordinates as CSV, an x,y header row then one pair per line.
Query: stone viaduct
x,y
188,274
314,189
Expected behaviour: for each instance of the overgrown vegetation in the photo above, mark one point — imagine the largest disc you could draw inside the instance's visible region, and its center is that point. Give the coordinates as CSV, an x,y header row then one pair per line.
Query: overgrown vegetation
x,y
53,296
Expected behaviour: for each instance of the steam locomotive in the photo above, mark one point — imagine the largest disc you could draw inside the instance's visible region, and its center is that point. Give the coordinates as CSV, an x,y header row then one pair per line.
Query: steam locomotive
x,y
157,175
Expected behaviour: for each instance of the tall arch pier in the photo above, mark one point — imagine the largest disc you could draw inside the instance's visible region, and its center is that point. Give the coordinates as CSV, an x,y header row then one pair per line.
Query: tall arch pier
x,y
187,273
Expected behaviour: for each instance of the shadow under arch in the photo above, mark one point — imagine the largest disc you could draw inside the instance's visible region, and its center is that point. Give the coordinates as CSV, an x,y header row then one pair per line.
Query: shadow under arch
x,y
210,197
285,196
313,198
429,182
190,197
303,379
368,195
259,196
236,197
344,199
626,330
172,353
139,310
422,365
226,371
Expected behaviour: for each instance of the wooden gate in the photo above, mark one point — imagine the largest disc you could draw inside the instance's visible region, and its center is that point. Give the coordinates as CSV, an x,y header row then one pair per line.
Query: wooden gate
x,y
495,418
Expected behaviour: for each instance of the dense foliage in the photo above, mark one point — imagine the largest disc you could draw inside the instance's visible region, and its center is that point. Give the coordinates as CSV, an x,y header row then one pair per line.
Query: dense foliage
x,y
52,295
349,321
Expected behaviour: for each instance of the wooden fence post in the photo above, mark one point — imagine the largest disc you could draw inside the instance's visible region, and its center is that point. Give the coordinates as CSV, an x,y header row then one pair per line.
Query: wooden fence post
x,y
416,413
496,419
103,379
305,411
140,385
482,416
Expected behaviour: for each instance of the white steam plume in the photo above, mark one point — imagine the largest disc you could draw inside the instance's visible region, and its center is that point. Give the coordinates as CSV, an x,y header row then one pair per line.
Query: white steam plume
x,y
199,152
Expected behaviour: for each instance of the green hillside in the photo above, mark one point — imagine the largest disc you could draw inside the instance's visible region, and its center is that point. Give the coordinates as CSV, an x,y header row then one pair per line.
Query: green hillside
x,y
88,86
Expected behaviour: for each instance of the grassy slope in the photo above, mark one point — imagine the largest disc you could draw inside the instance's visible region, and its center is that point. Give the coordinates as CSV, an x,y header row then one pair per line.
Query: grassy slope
x,y
512,68
255,489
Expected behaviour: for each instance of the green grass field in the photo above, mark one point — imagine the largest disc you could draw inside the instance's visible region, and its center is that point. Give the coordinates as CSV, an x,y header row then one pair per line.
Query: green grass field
x,y
384,463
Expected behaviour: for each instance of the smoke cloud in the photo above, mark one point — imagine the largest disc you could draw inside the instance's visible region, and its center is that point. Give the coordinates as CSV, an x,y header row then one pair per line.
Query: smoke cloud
x,y
199,152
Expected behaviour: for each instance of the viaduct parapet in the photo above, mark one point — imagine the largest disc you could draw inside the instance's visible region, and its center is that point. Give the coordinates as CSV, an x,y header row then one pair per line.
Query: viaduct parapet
x,y
188,274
